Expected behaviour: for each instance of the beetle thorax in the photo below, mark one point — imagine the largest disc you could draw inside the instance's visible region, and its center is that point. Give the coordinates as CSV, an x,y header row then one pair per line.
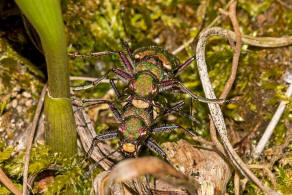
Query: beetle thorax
x,y
143,85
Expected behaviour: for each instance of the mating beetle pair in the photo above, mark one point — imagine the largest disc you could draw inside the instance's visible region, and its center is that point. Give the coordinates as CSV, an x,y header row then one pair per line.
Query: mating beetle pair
x,y
148,71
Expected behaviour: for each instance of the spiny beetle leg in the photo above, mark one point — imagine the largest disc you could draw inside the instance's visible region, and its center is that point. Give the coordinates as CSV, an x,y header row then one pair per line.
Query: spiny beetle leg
x,y
164,128
123,56
155,148
148,184
170,128
166,112
205,100
117,71
101,137
115,88
128,49
97,163
165,85
183,66
115,111
176,108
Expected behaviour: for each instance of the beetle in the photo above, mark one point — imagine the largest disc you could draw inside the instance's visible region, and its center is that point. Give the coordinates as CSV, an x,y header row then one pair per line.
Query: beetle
x,y
148,72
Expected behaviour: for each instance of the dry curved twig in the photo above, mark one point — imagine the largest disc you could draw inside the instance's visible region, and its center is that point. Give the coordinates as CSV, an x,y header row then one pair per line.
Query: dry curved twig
x,y
267,42
8,183
180,48
31,136
215,110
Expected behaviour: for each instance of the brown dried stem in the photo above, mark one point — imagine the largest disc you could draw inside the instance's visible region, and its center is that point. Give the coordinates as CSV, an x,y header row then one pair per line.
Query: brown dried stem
x,y
236,183
215,110
8,183
214,138
230,81
180,48
31,136
267,171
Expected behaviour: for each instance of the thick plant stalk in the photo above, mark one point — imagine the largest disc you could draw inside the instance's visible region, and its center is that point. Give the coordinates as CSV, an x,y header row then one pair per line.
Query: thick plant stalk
x,y
46,17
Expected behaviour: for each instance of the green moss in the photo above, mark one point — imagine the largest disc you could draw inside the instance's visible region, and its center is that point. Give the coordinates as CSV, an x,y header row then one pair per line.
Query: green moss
x,y
284,180
254,8
258,88
41,157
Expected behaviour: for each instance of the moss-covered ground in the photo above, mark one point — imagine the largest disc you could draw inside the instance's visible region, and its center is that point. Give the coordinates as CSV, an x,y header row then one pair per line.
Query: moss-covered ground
x,y
93,26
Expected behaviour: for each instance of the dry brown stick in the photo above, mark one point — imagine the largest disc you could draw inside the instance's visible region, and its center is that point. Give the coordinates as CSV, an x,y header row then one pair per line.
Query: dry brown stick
x,y
268,172
266,42
227,87
202,140
214,139
236,183
76,78
180,48
215,110
284,4
31,136
8,183
230,81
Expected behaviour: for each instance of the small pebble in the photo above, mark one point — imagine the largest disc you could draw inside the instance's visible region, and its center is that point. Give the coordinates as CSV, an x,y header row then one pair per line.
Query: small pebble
x,y
14,103
26,94
28,103
19,109
10,134
20,123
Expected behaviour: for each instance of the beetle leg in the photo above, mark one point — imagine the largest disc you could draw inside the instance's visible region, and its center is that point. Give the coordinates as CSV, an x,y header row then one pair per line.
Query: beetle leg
x,y
164,128
176,108
97,163
155,148
170,128
115,88
169,84
101,137
128,49
148,184
183,66
123,56
119,72
205,100
95,102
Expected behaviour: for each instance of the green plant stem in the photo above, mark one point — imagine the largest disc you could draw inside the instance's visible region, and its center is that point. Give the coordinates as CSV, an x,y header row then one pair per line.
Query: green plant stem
x,y
46,17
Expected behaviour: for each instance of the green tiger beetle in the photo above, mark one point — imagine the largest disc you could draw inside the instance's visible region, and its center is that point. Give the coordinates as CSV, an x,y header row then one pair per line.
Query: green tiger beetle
x,y
148,71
